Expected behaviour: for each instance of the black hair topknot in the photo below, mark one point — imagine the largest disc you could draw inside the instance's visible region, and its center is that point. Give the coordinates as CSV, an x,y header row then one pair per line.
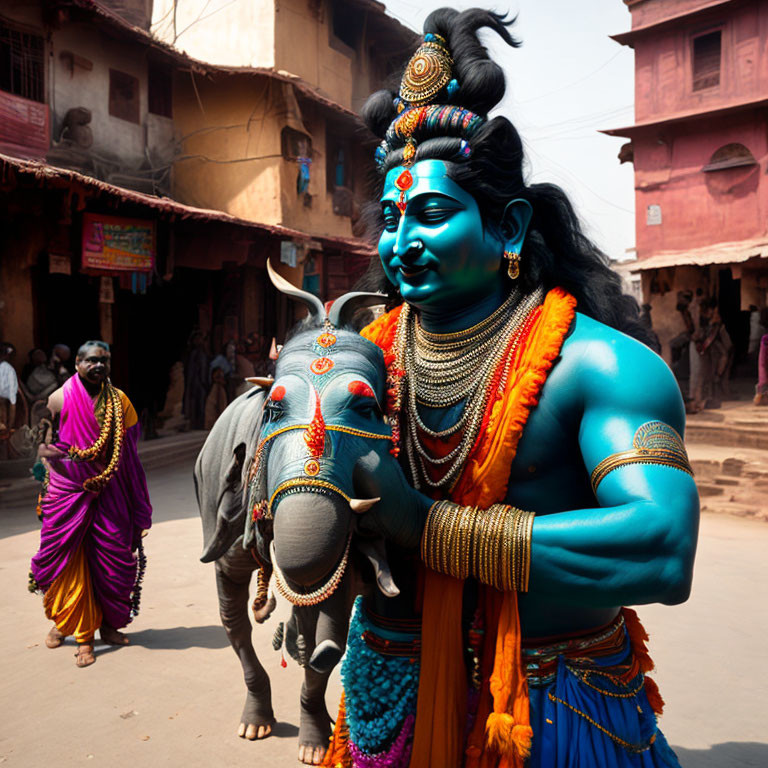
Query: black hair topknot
x,y
556,252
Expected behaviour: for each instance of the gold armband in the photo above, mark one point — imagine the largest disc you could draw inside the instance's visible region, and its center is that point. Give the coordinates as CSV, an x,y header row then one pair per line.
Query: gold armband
x,y
654,443
493,545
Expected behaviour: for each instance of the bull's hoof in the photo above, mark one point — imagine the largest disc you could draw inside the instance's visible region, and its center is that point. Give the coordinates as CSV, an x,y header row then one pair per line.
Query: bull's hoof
x,y
256,721
314,732
325,657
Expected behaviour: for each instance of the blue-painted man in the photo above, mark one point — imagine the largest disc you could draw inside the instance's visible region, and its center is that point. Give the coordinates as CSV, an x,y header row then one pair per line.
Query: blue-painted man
x,y
542,484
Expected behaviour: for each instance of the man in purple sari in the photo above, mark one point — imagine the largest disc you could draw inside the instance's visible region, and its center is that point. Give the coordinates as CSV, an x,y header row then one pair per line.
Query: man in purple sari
x,y
94,512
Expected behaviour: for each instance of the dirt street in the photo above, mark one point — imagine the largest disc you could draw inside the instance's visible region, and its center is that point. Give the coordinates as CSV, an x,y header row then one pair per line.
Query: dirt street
x,y
174,697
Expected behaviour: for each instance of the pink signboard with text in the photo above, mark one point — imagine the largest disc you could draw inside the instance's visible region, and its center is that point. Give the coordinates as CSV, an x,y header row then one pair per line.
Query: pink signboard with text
x,y
113,243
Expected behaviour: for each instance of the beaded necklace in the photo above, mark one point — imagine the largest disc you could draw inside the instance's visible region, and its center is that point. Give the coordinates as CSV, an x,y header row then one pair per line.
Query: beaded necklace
x,y
442,370
112,427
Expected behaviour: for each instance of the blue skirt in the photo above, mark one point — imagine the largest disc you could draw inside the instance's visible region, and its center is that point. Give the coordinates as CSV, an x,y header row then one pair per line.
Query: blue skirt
x,y
587,718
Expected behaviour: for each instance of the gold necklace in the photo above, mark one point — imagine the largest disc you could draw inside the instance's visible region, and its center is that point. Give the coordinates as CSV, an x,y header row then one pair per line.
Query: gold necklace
x,y
442,370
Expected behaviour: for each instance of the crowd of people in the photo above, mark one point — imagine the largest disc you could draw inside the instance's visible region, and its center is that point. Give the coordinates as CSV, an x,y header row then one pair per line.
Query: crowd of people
x,y
704,353
211,383
23,398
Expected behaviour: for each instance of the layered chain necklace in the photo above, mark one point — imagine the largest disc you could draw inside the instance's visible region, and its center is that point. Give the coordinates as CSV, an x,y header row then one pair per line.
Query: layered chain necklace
x,y
445,369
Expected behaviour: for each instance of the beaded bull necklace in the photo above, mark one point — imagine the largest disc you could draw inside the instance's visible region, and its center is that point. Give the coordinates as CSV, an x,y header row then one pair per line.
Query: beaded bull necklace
x,y
445,369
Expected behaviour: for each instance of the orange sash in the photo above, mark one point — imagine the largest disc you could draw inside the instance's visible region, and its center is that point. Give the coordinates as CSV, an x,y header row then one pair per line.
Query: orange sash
x,y
502,734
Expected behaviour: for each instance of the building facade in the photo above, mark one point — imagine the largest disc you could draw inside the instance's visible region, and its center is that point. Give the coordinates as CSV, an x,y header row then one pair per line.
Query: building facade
x,y
699,146
142,190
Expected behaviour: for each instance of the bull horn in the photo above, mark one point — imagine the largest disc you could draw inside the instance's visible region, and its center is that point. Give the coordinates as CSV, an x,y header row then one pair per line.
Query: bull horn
x,y
345,306
315,306
260,381
362,505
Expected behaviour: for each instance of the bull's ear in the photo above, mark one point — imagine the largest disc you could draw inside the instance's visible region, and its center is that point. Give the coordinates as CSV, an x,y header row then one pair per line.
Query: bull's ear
x,y
261,381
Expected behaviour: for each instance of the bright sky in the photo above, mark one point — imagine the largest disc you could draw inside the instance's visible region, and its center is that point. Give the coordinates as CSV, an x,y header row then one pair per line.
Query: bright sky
x,y
568,80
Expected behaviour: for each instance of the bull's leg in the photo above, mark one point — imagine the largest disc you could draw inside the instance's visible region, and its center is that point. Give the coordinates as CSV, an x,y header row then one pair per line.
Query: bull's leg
x,y
314,720
233,576
330,635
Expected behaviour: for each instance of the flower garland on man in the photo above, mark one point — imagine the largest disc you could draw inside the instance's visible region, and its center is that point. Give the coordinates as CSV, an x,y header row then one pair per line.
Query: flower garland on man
x,y
95,510
549,485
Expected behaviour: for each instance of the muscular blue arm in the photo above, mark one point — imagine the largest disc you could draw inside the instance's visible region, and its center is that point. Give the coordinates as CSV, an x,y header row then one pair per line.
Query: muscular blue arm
x,y
638,546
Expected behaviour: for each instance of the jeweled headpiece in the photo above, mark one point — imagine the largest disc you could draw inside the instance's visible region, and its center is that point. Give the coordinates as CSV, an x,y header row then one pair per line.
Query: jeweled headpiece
x,y
428,75
428,71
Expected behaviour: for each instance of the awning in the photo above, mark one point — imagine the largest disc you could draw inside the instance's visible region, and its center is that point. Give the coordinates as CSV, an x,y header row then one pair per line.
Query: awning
x,y
717,253
166,205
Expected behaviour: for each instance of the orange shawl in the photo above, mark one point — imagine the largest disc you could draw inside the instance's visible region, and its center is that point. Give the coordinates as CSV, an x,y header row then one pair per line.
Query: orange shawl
x,y
502,734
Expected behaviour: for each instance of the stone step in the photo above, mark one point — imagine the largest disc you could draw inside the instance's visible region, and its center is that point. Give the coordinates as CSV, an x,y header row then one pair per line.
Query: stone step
x,y
740,509
713,433
709,489
728,480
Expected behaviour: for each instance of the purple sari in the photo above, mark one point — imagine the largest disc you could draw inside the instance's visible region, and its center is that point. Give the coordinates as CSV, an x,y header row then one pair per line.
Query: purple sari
x,y
108,524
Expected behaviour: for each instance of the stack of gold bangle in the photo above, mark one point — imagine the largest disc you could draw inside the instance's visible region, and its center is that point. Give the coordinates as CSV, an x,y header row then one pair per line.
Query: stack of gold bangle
x,y
493,545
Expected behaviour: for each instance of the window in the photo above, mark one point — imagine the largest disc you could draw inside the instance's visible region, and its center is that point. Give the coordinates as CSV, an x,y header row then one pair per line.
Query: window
x,y
123,96
706,61
347,23
160,90
295,144
21,63
337,162
730,156
311,280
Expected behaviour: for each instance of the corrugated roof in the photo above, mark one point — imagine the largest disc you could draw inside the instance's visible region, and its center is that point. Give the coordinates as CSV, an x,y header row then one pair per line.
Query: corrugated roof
x,y
174,208
717,253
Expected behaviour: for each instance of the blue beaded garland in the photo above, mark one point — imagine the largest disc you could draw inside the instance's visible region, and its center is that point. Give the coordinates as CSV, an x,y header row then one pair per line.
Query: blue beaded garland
x,y
379,691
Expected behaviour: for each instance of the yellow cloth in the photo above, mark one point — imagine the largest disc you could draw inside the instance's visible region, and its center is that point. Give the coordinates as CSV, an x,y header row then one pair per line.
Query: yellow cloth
x,y
70,603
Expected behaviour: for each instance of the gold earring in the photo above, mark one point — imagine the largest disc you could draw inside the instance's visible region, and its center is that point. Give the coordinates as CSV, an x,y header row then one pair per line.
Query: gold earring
x,y
513,269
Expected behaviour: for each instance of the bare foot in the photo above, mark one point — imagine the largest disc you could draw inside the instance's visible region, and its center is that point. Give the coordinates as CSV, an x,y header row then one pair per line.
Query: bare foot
x,y
84,656
112,636
257,719
310,755
252,732
314,731
54,638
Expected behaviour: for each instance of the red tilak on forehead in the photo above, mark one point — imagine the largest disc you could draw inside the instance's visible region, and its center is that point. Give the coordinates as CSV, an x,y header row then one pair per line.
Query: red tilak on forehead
x,y
402,182
277,394
360,388
314,435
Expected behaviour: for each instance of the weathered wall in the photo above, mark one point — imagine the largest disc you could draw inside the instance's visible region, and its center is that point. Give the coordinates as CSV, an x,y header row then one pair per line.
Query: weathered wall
x,y
318,218
303,36
699,207
663,62
229,131
79,87
227,32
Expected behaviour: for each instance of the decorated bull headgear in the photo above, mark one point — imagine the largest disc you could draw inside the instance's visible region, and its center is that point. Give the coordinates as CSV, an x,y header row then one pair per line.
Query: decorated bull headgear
x,y
330,318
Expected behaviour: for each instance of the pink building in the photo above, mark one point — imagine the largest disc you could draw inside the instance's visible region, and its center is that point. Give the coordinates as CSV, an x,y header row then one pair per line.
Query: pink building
x,y
700,150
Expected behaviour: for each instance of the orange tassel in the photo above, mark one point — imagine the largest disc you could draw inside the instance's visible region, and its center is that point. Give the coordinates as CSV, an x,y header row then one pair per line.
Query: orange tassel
x,y
654,696
337,755
638,638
